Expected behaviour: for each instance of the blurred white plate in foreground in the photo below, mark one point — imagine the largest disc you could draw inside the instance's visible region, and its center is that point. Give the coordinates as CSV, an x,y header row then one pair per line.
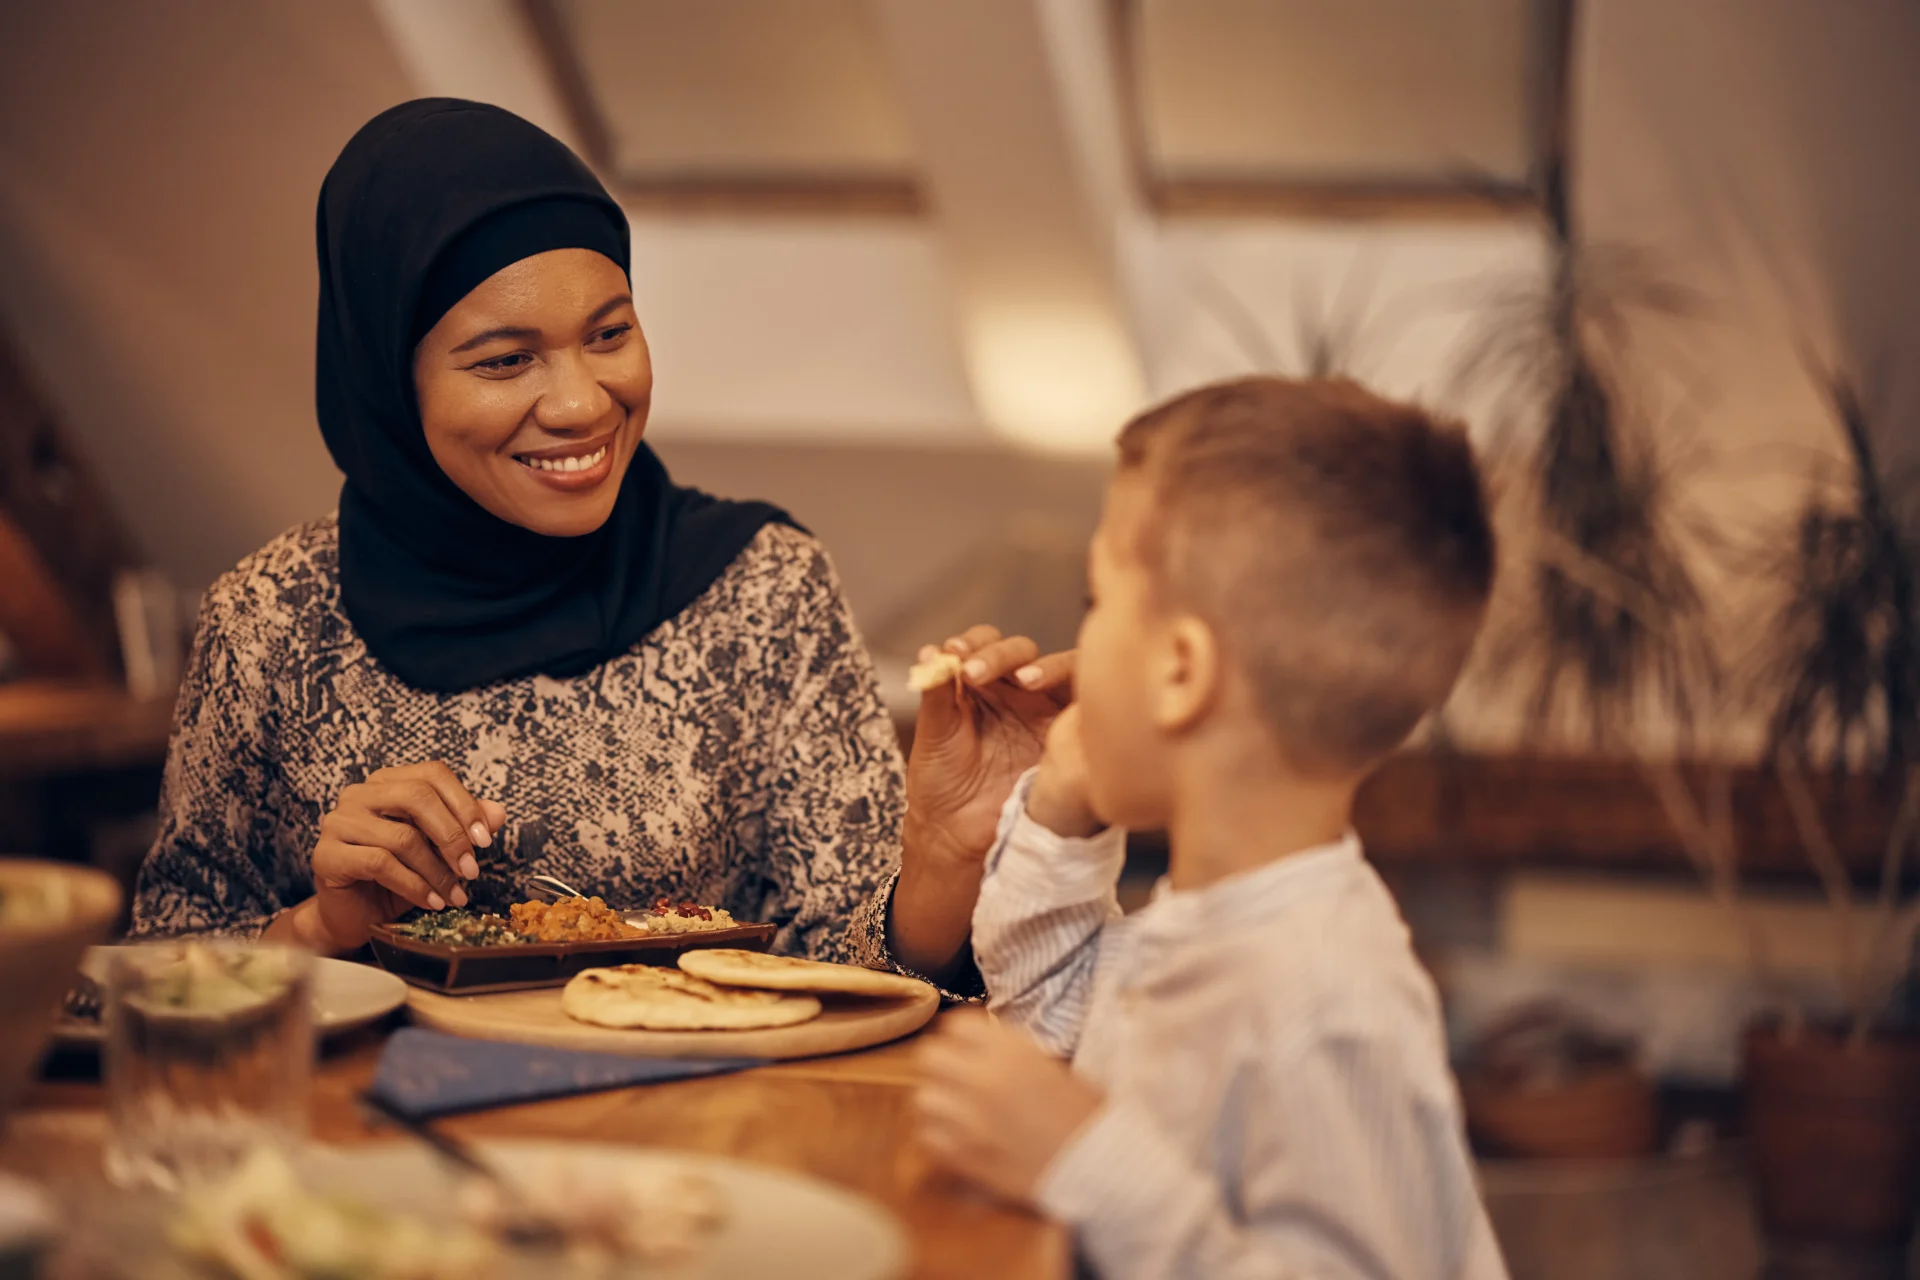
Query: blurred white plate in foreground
x,y
774,1223
345,996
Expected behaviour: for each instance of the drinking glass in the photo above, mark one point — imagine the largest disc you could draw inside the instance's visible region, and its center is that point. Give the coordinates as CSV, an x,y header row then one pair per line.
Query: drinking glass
x,y
209,1054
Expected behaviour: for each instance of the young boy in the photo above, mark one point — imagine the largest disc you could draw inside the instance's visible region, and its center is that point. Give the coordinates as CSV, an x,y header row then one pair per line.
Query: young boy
x,y
1288,576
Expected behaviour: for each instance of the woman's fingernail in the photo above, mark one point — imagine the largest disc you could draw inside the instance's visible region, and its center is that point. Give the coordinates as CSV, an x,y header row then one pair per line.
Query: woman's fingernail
x,y
976,670
955,646
1028,675
468,867
459,896
481,836
436,903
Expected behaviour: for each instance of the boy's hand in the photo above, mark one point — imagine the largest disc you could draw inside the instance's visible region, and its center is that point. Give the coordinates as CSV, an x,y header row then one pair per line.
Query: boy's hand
x,y
1059,800
994,1107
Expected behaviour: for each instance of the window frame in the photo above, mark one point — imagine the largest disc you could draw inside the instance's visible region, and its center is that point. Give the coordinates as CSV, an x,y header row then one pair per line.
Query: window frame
x,y
1410,198
742,192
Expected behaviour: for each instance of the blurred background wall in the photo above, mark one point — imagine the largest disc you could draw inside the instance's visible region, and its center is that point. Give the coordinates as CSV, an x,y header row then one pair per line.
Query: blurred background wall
x,y
160,161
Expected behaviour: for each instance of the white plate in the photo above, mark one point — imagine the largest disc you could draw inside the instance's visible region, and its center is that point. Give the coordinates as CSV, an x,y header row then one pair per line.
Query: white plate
x,y
776,1223
345,996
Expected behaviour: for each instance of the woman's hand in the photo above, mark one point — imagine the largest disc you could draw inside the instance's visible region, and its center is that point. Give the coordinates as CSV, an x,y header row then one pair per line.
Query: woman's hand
x,y
404,838
971,745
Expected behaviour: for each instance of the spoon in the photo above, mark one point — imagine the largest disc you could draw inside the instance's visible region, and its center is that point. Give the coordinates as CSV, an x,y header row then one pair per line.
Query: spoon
x,y
522,1227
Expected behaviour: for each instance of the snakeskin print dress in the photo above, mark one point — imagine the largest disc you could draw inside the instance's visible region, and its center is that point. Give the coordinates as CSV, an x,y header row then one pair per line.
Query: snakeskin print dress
x,y
739,755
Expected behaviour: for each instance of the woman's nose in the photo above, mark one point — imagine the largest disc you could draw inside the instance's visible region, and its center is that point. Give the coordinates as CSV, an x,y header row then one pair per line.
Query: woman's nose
x,y
574,399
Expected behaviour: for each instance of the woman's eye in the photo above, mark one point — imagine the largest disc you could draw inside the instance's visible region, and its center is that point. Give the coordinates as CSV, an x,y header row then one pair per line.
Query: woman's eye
x,y
506,364
611,332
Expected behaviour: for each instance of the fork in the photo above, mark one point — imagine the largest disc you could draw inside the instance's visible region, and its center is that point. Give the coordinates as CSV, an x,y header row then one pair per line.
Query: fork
x,y
523,1227
552,888
84,999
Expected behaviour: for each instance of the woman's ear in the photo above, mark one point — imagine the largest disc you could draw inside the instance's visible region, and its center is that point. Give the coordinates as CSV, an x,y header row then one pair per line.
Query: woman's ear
x,y
1189,677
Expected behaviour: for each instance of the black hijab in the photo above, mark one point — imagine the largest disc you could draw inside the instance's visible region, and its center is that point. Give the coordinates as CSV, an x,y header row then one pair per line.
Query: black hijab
x,y
425,201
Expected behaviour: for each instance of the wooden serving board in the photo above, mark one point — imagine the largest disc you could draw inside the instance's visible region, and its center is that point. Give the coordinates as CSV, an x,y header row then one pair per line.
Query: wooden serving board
x,y
533,1017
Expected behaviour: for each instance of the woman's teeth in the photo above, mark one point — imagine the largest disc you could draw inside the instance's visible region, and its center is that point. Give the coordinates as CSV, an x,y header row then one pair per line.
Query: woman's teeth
x,y
586,463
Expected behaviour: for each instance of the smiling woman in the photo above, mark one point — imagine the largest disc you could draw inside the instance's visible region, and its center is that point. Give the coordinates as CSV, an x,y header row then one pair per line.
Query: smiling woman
x,y
531,418
520,649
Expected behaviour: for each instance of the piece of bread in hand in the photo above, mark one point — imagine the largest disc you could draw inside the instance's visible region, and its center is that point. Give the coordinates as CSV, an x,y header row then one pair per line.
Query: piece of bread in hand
x,y
934,672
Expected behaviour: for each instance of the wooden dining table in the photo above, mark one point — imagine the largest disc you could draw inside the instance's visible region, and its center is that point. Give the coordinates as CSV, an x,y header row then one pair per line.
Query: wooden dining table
x,y
845,1120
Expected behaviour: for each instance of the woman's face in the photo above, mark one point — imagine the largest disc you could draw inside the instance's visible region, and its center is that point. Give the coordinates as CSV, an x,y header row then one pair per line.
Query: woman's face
x,y
534,391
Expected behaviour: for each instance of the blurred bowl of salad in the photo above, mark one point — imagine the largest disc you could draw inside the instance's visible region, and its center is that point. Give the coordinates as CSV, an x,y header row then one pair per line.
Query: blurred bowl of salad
x,y
50,913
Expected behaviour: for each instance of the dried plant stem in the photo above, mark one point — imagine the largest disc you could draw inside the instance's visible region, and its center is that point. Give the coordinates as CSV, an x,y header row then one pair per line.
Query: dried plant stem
x,y
1707,836
1884,962
1899,837
1900,935
1832,872
1707,839
1593,574
1242,326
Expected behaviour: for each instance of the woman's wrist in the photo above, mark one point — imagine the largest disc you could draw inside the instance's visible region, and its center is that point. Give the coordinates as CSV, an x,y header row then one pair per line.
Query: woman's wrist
x,y
300,926
928,847
931,914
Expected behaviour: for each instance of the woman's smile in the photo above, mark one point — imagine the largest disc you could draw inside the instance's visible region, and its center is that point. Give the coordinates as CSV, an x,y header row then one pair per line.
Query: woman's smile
x,y
570,468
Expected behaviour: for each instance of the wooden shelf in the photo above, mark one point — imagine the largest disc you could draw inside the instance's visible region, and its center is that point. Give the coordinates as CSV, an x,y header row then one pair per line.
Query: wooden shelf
x,y
50,727
1499,812
1543,810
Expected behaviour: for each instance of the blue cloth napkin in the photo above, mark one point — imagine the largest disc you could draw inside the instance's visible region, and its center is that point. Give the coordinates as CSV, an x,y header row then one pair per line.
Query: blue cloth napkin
x,y
429,1073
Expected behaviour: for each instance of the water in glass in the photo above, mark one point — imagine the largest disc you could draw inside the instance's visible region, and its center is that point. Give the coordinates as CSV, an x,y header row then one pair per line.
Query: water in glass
x,y
210,1049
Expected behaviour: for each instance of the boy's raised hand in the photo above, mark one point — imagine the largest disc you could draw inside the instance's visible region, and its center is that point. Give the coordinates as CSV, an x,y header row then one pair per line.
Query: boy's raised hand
x,y
995,1108
1060,800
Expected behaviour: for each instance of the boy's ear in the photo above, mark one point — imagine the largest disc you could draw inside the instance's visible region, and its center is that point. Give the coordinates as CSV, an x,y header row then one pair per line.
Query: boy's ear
x,y
1189,675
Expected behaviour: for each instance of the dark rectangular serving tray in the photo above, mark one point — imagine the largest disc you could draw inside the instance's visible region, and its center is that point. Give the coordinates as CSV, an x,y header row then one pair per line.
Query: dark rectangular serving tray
x,y
468,971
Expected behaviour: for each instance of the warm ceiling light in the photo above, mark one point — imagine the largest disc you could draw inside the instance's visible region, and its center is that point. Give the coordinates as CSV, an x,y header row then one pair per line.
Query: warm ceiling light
x,y
1060,379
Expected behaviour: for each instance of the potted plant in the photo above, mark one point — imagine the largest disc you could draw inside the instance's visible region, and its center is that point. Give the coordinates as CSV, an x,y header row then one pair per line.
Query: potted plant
x,y
1604,616
1834,1108
1833,1103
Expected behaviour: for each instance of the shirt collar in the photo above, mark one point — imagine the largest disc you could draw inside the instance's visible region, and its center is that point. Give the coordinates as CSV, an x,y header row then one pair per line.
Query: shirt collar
x,y
1262,891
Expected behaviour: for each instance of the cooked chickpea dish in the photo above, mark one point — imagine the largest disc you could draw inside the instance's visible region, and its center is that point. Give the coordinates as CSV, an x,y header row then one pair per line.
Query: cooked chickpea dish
x,y
571,920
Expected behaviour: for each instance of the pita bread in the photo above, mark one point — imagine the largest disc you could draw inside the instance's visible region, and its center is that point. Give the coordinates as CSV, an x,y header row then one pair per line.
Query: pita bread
x,y
756,969
934,672
660,999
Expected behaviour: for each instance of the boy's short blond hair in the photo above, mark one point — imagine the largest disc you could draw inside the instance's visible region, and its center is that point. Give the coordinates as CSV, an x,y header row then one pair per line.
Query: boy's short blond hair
x,y
1338,543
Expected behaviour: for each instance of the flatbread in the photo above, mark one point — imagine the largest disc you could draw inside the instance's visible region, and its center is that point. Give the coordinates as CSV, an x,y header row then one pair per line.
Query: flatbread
x,y
756,969
935,671
660,999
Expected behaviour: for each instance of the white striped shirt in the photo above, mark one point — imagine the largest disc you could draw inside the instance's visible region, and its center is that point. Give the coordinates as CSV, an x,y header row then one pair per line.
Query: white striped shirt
x,y
1278,1098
